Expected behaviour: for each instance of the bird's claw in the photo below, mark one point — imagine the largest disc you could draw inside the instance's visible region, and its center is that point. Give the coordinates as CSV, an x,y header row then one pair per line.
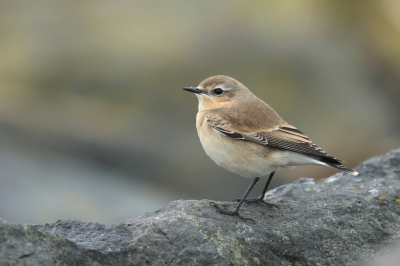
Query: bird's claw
x,y
230,213
258,200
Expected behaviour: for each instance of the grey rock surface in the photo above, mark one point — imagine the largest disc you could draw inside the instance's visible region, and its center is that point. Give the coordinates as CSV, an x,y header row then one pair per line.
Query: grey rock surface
x,y
341,220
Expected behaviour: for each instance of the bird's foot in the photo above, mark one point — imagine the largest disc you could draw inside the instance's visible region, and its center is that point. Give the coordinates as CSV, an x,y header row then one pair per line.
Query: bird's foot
x,y
260,199
235,212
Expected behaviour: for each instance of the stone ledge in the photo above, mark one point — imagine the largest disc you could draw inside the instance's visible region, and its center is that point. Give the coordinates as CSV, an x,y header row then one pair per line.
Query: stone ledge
x,y
341,220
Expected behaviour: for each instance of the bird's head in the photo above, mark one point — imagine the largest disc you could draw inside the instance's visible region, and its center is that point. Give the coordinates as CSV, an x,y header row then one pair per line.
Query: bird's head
x,y
219,92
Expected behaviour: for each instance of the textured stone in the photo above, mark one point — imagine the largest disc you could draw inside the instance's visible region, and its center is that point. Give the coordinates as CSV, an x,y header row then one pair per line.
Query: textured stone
x,y
341,220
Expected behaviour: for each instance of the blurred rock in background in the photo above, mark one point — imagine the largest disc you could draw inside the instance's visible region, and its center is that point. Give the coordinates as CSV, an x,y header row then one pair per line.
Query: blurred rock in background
x,y
94,124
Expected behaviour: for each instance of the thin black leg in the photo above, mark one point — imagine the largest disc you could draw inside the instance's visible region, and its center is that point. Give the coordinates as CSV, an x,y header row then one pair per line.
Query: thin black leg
x,y
261,197
236,210
266,185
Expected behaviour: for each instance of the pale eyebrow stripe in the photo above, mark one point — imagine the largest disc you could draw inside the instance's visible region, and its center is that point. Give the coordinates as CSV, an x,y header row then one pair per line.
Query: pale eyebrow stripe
x,y
224,88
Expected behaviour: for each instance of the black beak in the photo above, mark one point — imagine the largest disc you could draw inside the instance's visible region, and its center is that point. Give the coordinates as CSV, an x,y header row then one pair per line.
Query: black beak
x,y
194,90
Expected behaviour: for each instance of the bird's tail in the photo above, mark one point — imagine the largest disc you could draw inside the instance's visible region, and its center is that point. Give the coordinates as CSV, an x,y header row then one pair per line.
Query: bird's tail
x,y
336,164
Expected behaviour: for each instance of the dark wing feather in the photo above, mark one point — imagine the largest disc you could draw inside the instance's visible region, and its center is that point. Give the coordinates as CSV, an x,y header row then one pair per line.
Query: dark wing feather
x,y
284,137
249,137
300,147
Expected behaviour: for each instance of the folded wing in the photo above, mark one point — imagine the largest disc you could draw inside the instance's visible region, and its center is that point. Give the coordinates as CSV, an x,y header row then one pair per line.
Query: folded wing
x,y
283,136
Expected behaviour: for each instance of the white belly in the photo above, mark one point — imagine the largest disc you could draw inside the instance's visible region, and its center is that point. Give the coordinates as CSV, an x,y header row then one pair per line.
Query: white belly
x,y
246,158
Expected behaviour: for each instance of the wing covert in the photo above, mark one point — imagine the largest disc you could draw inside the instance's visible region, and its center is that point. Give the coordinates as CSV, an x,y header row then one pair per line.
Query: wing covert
x,y
284,137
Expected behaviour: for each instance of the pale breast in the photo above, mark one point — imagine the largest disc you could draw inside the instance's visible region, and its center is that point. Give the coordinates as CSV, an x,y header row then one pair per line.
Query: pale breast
x,y
241,157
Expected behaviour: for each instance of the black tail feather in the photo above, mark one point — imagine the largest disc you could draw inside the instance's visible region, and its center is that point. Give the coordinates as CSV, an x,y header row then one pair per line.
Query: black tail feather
x,y
336,164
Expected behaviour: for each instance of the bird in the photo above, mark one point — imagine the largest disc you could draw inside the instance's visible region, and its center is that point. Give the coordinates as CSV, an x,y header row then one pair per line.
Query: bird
x,y
244,135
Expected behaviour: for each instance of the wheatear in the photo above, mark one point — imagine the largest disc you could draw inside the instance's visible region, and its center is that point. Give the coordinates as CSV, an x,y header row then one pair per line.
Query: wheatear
x,y
246,136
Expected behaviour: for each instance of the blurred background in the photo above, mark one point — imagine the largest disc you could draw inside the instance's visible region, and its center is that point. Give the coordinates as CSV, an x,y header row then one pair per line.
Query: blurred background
x,y
94,124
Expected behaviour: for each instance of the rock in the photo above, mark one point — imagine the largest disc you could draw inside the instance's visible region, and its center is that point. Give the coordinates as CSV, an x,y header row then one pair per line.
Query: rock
x,y
341,220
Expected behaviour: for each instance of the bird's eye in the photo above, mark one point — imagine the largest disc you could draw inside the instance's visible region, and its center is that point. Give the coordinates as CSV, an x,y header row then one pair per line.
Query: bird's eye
x,y
218,91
